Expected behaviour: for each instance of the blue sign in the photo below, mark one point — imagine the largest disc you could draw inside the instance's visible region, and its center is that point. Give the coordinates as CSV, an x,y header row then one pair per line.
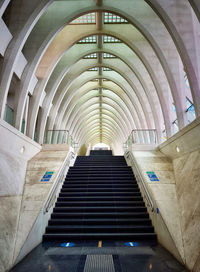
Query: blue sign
x,y
152,176
44,180
47,176
67,245
131,244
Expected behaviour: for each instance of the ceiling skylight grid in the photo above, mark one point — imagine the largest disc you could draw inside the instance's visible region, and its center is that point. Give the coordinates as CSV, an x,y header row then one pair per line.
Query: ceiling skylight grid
x,y
89,18
110,18
106,69
89,39
91,56
108,56
93,69
110,39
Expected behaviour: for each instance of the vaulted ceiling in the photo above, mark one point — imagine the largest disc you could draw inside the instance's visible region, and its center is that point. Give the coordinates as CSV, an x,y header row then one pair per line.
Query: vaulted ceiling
x,y
100,69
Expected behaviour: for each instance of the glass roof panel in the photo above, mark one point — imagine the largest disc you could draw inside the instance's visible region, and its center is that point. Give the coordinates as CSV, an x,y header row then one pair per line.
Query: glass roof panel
x,y
96,79
110,18
107,69
110,39
108,56
89,18
89,39
93,69
91,56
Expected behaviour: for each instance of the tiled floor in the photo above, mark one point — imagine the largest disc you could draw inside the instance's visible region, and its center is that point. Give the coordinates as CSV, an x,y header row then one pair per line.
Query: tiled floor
x,y
88,257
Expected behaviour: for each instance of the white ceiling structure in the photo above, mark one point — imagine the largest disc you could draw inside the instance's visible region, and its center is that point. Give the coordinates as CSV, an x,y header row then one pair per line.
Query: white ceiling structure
x,y
100,69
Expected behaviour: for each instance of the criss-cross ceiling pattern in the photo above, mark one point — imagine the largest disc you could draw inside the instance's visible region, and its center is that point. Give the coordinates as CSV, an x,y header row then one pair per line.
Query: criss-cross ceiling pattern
x,y
100,68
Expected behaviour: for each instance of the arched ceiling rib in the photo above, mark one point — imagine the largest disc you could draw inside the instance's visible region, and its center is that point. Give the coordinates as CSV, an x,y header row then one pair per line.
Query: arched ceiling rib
x,y
136,85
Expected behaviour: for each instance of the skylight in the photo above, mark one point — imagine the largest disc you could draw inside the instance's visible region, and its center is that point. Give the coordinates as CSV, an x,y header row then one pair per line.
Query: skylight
x,y
89,39
91,56
109,39
106,69
96,79
110,18
89,18
190,111
108,56
93,69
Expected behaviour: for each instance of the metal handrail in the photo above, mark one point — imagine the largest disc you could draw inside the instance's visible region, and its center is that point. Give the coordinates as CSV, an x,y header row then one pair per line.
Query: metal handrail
x,y
60,176
140,179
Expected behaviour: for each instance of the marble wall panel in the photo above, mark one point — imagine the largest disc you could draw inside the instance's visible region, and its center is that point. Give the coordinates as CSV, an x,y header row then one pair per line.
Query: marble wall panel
x,y
8,228
164,195
36,192
26,221
15,151
12,174
197,265
187,174
165,177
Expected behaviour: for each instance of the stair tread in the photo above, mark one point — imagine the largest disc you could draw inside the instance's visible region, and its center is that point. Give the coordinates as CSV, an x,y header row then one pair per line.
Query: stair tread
x,y
94,234
98,208
102,202
101,227
100,198
104,213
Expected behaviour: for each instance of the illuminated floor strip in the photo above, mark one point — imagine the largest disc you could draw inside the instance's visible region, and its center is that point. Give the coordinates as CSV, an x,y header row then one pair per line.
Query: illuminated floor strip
x,y
99,263
100,244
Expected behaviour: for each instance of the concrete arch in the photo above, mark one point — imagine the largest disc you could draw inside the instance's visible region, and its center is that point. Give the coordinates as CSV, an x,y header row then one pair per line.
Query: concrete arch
x,y
15,47
136,94
106,130
187,59
165,107
196,7
96,123
155,115
63,108
83,83
133,20
125,123
77,104
73,115
106,114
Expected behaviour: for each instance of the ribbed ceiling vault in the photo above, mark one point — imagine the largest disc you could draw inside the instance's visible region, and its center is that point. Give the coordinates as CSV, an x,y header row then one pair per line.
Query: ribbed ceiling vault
x,y
101,69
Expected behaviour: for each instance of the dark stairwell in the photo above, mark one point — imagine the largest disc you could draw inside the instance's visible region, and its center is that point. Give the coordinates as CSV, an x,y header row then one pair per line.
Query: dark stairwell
x,y
100,200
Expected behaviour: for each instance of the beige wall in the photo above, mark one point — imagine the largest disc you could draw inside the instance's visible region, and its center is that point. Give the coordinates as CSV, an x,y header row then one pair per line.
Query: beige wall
x,y
15,151
22,164
177,194
163,194
35,193
186,164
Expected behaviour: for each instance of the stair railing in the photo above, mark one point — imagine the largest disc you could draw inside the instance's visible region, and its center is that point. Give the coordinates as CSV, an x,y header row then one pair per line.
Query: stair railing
x,y
59,179
140,179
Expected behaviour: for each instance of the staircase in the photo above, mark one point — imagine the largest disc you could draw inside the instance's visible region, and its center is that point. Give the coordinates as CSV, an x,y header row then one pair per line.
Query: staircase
x,y
100,200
